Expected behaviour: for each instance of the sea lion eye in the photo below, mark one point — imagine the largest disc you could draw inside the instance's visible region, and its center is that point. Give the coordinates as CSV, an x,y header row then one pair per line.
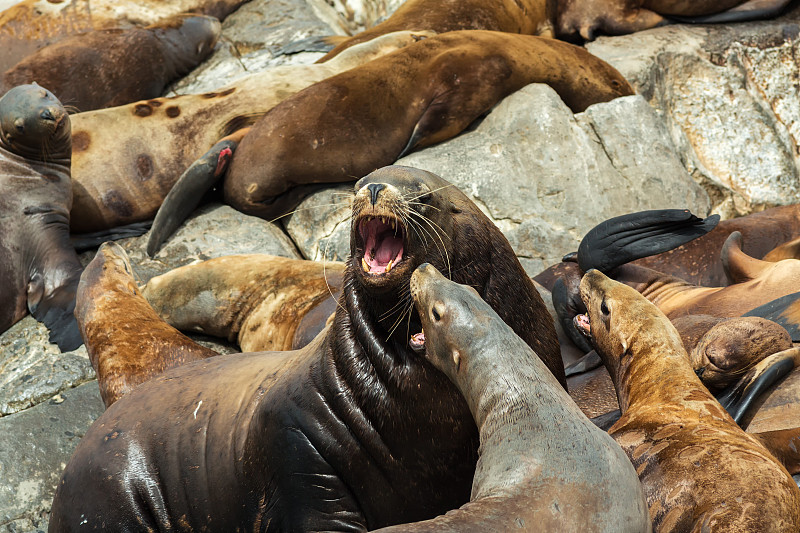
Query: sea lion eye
x,y
604,308
436,314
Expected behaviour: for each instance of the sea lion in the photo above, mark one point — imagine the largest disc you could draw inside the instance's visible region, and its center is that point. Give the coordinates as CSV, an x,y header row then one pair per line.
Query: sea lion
x,y
262,302
126,159
543,465
33,24
531,17
678,437
371,115
39,269
355,431
106,68
126,340
587,18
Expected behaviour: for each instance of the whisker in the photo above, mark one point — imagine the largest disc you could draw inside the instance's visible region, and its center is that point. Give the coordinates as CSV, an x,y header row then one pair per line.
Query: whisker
x,y
340,204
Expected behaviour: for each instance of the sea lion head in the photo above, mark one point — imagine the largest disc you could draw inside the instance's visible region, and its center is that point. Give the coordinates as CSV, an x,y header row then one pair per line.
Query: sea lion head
x,y
34,124
189,39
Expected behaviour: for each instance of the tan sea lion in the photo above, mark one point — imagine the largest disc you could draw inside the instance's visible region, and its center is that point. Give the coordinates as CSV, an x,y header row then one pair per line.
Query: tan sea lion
x,y
262,302
106,68
543,465
127,341
679,438
355,431
39,269
127,158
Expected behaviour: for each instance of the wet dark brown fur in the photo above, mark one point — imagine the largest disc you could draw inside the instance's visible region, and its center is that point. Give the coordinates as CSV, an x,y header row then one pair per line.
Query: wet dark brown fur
x,y
367,117
679,438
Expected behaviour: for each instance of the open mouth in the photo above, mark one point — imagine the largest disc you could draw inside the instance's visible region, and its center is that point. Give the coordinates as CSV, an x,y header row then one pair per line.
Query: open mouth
x,y
582,324
417,341
383,239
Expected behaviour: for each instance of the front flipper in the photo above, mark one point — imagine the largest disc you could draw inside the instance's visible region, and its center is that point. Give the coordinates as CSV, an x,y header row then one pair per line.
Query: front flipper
x,y
86,241
625,238
784,310
753,10
187,192
588,362
607,420
310,44
741,396
56,311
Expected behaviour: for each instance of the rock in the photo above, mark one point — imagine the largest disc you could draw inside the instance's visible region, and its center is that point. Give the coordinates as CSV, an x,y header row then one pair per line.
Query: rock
x,y
546,176
212,231
35,446
730,96
320,226
32,369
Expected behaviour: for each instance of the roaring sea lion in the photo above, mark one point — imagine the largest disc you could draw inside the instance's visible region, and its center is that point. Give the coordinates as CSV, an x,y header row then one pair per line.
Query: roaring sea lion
x,y
587,18
355,431
543,465
126,159
531,17
262,302
126,340
33,24
106,68
681,441
371,115
39,269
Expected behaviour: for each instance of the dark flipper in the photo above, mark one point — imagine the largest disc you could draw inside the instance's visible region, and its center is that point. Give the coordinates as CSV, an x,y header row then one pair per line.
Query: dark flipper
x,y
567,306
56,311
741,396
187,192
607,420
86,241
625,238
588,362
309,44
753,10
785,311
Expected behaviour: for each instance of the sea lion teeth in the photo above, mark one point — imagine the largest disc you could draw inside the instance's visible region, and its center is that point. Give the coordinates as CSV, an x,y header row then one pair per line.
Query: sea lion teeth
x,y
364,265
389,266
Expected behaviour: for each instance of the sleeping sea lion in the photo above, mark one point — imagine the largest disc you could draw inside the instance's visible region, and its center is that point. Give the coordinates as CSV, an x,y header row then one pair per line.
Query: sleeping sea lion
x,y
106,68
543,465
681,441
39,269
355,431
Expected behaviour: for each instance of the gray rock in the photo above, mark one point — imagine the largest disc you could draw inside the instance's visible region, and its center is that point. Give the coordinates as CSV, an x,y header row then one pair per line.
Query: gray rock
x,y
32,369
320,226
730,97
35,446
546,176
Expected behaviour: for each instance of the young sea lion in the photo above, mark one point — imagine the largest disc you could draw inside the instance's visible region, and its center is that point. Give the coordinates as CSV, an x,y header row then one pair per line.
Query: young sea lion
x,y
355,431
679,438
543,465
106,68
39,269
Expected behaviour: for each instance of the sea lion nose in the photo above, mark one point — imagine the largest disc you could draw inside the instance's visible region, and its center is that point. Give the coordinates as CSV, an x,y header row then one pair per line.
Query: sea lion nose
x,y
47,115
374,189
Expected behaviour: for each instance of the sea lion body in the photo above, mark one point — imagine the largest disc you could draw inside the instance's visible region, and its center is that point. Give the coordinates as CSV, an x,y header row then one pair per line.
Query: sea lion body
x,y
354,431
126,159
543,465
39,269
126,340
259,301
106,68
369,116
531,17
681,441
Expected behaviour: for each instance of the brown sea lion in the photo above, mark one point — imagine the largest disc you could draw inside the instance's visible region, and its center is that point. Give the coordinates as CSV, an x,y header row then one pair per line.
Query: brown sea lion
x,y
39,269
681,441
371,115
262,302
105,68
126,159
355,431
587,18
543,465
531,17
33,24
126,340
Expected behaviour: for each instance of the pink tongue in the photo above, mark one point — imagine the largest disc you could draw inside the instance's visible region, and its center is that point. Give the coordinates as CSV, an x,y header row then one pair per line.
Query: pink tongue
x,y
384,245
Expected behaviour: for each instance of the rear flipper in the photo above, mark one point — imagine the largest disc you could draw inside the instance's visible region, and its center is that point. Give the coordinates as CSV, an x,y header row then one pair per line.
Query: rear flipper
x,y
740,397
785,311
588,362
56,311
753,10
87,241
625,238
311,44
187,192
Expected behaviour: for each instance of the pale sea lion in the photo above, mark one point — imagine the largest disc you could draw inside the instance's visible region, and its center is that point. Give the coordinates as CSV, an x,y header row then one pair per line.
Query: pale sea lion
x,y
355,431
106,68
543,465
681,441
39,269
126,159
